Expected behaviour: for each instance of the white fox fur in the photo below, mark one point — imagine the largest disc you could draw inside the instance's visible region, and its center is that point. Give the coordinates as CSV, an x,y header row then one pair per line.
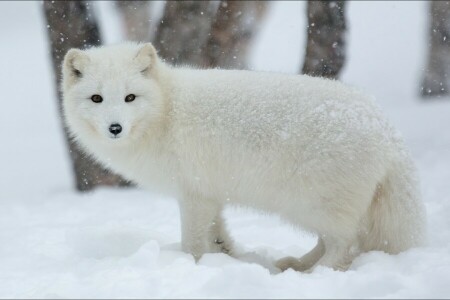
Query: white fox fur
x,y
314,151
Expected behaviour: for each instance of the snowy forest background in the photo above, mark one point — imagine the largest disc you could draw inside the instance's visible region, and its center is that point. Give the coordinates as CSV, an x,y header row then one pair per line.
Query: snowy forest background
x,y
57,242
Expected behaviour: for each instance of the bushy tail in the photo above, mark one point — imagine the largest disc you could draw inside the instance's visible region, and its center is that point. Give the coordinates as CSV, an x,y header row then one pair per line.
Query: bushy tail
x,y
396,217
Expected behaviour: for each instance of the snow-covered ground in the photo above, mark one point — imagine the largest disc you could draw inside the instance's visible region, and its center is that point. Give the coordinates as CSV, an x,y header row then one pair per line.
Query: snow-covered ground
x,y
55,243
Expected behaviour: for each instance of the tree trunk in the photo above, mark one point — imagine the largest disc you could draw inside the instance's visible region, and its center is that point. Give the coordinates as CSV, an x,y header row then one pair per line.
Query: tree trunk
x,y
71,24
235,25
184,29
436,81
325,50
136,19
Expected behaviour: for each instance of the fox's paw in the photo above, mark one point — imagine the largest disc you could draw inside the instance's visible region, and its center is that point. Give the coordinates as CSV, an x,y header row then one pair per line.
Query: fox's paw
x,y
292,263
223,246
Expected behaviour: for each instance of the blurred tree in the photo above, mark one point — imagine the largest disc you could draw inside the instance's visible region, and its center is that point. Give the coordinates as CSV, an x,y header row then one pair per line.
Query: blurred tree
x,y
184,28
136,19
234,26
71,24
325,50
205,34
436,80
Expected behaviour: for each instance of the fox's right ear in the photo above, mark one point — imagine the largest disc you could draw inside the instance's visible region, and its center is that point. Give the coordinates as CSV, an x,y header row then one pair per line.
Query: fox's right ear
x,y
146,58
74,65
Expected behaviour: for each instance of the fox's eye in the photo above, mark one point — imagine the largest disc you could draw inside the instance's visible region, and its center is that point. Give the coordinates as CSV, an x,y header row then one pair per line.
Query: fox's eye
x,y
130,98
96,98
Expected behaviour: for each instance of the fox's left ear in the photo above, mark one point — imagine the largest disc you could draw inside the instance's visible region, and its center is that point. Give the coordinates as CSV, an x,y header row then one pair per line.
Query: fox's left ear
x,y
146,58
75,62
74,65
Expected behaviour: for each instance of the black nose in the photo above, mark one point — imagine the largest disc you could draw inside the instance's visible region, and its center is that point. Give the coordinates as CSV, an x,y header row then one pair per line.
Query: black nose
x,y
115,128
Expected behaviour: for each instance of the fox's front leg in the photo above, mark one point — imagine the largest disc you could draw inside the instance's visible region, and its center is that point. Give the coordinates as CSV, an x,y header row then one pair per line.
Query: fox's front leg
x,y
202,228
222,241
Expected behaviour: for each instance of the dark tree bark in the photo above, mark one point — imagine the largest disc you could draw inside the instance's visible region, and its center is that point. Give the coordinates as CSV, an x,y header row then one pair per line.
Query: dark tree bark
x,y
436,80
71,24
235,24
183,30
136,19
325,50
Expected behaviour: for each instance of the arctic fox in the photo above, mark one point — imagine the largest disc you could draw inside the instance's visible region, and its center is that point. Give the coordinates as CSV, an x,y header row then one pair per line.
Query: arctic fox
x,y
314,151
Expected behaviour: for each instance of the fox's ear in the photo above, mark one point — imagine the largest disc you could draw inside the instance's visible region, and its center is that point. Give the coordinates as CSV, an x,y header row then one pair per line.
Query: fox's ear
x,y
74,65
146,58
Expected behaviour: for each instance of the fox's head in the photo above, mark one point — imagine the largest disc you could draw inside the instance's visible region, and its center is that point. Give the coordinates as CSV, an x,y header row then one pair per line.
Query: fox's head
x,y
111,94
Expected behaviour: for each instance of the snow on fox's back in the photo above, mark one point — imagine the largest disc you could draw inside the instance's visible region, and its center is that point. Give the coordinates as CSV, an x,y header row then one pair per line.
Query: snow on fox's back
x,y
316,152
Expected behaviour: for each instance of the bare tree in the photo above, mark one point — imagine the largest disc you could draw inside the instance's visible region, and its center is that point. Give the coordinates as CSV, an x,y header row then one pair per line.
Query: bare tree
x,y
200,33
436,81
136,19
71,24
183,30
325,50
235,24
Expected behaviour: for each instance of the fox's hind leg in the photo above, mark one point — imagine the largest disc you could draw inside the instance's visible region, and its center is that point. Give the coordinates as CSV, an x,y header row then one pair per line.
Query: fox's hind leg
x,y
339,253
305,262
328,252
